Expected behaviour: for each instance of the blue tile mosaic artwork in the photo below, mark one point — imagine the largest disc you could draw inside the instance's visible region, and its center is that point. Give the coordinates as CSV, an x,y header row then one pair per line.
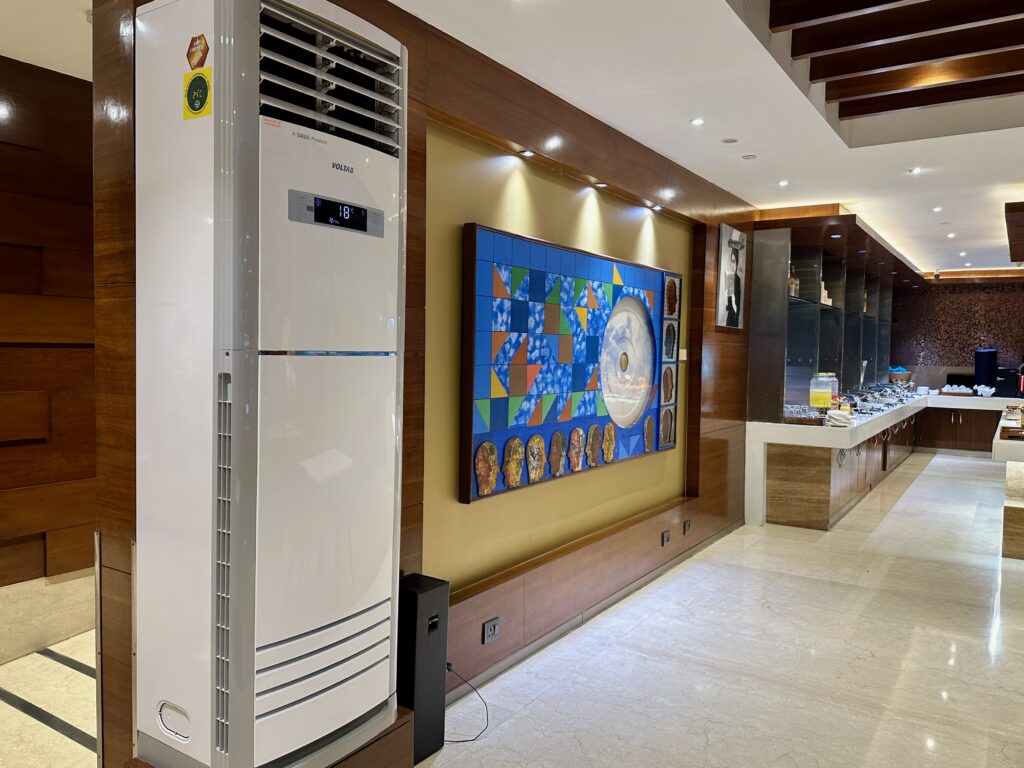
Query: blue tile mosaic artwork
x,y
538,313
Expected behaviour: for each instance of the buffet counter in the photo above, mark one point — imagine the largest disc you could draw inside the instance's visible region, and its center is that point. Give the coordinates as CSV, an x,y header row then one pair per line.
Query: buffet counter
x,y
812,480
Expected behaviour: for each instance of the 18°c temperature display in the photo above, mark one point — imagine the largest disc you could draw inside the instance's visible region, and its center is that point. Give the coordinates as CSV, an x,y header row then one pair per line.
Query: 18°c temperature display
x,y
339,214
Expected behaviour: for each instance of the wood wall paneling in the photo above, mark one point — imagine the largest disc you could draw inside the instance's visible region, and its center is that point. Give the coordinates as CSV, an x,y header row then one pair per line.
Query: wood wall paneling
x,y
69,451
24,416
22,559
21,269
116,660
70,549
36,509
466,651
26,319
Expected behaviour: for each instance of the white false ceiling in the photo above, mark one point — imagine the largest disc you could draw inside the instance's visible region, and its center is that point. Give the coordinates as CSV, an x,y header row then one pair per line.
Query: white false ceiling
x,y
647,68
54,34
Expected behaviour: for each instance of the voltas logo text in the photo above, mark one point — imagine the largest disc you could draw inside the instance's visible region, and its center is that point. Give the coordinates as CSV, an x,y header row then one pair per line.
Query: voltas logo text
x,y
342,167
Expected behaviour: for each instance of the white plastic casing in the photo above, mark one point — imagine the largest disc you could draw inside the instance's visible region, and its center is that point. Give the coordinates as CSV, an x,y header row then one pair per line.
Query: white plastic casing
x,y
323,417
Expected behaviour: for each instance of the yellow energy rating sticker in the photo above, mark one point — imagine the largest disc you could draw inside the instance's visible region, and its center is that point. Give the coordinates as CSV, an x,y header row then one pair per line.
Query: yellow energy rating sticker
x,y
198,93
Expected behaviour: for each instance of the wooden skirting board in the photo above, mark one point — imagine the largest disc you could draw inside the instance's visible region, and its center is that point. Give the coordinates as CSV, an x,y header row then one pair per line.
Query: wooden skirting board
x,y
542,594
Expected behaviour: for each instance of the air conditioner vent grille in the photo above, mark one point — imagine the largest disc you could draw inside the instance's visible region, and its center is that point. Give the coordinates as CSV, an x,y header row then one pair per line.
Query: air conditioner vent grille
x,y
319,77
222,575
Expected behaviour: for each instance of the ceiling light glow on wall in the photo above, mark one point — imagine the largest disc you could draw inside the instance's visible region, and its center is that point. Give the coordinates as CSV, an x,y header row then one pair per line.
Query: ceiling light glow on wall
x,y
697,122
551,143
667,194
5,110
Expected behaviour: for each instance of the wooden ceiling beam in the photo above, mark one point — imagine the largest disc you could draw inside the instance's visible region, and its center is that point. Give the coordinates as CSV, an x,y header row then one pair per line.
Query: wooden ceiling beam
x,y
795,14
903,23
927,75
1015,230
928,97
972,41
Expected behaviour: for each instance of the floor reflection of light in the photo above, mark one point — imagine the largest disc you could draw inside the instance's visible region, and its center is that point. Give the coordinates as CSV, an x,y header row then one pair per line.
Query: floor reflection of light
x,y
996,622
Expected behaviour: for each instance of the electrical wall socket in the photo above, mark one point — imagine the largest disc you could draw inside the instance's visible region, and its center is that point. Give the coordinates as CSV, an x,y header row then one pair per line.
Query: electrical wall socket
x,y
686,526
666,537
491,630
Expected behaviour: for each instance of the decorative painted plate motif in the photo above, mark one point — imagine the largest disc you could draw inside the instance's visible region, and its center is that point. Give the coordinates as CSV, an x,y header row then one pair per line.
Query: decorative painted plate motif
x,y
627,362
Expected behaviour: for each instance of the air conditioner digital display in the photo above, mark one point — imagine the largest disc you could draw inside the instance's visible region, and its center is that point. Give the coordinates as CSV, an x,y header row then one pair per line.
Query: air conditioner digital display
x,y
339,214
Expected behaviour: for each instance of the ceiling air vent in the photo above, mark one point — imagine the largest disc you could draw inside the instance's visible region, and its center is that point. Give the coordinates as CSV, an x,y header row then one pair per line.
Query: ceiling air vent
x,y
315,75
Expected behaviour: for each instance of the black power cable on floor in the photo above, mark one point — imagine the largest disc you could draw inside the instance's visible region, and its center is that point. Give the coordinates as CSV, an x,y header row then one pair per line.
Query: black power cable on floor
x,y
487,714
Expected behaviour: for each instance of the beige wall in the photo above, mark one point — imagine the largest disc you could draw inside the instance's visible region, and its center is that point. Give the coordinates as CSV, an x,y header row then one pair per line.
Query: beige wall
x,y
468,181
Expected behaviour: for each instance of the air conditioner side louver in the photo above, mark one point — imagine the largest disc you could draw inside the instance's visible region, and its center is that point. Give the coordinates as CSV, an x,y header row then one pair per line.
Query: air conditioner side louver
x,y
314,76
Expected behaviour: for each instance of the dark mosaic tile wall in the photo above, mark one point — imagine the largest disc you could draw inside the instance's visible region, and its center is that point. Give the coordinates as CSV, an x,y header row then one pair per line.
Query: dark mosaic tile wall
x,y
944,324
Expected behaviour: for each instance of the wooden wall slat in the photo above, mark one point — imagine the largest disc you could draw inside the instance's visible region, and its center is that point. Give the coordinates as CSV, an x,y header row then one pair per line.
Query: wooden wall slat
x,y
27,171
69,453
67,273
115,631
22,560
21,269
31,220
113,150
70,549
24,416
25,511
115,417
27,319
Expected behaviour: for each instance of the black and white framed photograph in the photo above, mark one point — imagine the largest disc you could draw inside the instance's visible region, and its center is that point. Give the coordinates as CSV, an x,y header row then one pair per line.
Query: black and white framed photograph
x,y
732,266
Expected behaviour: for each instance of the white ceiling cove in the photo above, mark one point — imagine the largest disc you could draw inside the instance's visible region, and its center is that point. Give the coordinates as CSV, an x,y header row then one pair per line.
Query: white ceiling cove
x,y
54,34
647,68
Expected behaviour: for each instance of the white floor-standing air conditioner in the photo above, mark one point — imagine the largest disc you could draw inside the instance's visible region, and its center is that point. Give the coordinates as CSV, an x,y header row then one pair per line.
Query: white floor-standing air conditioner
x,y
270,249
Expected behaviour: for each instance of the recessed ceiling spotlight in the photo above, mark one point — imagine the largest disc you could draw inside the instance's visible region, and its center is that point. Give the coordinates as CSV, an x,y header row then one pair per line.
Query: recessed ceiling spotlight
x,y
750,157
915,286
863,250
937,209
967,263
951,235
5,110
655,207
892,273
915,170
600,184
836,236
963,254
784,183
729,141
526,153
697,122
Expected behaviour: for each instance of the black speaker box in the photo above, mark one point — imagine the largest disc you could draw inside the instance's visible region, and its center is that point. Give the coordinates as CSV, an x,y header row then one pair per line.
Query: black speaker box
x,y
422,658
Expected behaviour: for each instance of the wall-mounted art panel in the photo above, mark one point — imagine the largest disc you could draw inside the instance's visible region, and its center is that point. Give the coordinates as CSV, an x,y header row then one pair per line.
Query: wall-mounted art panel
x,y
569,362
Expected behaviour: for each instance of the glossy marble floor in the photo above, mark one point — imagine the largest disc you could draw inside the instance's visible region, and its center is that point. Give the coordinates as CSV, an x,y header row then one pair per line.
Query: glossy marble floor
x,y
48,707
894,641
